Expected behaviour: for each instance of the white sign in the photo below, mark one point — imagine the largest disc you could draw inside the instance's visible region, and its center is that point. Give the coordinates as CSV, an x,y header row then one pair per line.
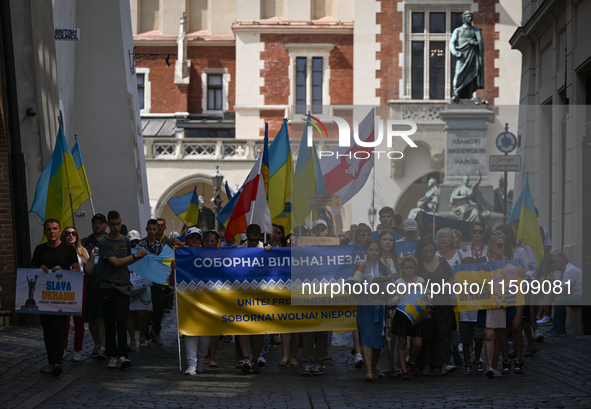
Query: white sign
x,y
504,163
55,293
67,34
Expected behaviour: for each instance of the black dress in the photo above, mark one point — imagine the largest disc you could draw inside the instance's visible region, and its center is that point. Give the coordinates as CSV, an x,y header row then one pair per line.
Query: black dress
x,y
443,321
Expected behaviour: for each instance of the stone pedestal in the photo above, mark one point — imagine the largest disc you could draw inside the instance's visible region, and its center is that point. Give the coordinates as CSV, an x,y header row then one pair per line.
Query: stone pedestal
x,y
465,152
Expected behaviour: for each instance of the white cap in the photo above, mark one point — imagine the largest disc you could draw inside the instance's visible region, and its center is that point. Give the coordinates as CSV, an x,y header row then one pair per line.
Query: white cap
x,y
194,230
134,235
410,225
320,222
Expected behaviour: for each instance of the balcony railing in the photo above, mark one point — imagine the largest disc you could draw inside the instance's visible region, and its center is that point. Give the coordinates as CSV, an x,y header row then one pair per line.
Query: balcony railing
x,y
216,149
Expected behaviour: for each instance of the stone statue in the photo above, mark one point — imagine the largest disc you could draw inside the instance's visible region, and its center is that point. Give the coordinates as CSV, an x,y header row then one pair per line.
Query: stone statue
x,y
499,196
428,203
467,45
464,201
30,303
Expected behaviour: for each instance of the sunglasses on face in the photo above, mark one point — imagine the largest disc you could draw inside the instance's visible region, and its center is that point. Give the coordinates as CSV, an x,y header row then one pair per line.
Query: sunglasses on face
x,y
501,245
252,240
477,231
70,233
364,234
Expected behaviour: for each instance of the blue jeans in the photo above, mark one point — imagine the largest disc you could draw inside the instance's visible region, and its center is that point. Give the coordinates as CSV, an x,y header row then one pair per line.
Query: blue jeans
x,y
560,310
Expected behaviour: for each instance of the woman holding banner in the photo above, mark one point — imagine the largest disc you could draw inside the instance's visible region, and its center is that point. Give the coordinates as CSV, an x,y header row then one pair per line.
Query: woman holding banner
x,y
437,270
70,235
211,239
371,311
388,357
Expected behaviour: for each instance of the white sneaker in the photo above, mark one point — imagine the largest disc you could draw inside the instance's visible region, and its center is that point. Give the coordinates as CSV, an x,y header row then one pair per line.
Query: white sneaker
x,y
76,357
358,360
191,371
538,337
545,320
447,369
112,363
123,363
158,339
65,356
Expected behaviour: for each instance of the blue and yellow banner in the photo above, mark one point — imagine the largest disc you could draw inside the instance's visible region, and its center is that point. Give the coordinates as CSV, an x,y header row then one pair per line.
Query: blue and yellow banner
x,y
488,285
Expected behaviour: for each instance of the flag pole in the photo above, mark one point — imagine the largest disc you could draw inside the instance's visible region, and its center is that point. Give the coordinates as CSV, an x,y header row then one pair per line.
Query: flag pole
x,y
176,298
59,119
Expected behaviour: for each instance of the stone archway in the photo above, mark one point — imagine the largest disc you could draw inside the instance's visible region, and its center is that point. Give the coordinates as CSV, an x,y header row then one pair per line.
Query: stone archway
x,y
206,213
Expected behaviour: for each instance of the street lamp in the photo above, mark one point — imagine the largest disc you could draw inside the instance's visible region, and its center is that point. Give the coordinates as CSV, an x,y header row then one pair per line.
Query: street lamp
x,y
371,215
216,180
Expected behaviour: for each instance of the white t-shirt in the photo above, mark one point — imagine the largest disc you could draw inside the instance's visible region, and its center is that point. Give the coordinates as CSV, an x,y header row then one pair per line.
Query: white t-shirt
x,y
546,238
467,251
454,261
527,255
575,275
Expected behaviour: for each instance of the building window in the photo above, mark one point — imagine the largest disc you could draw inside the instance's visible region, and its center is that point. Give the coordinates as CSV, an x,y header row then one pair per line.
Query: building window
x,y
143,89
309,77
214,92
215,84
429,67
301,64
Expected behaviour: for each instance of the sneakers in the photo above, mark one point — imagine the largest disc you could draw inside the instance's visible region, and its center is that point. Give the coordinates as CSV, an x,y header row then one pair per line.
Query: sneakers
x,y
102,354
57,370
246,366
538,337
478,366
358,360
95,351
239,364
47,369
65,356
447,369
200,365
191,371
112,363
317,369
518,366
506,367
256,369
489,373
132,347
457,358
261,361
496,373
545,320
158,339
307,369
467,370
76,357
123,363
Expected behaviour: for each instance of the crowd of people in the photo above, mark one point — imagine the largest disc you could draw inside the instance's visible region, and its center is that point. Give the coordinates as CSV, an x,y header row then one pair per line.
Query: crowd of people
x,y
385,342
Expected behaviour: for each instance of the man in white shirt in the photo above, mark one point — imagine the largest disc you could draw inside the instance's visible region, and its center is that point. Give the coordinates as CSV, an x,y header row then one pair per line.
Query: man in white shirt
x,y
572,293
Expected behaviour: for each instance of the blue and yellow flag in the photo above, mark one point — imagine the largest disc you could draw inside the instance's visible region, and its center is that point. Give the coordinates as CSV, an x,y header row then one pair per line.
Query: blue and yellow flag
x,y
154,267
280,178
529,228
415,307
228,192
77,156
308,180
58,183
186,207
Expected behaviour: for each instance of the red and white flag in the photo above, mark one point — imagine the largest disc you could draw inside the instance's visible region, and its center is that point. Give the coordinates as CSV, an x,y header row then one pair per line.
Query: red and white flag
x,y
252,206
346,171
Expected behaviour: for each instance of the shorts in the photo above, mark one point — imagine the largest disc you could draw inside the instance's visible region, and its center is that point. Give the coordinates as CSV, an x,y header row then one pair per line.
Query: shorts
x,y
93,305
469,331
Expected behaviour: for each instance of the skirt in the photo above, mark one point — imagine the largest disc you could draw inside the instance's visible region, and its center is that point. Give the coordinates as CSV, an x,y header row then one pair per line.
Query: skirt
x,y
370,324
402,327
495,318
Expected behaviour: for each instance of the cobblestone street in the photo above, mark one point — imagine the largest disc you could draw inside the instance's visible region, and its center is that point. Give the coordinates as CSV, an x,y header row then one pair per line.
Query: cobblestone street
x,y
557,377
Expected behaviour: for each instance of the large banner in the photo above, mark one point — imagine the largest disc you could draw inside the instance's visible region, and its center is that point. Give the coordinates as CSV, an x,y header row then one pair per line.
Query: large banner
x,y
488,285
55,293
242,291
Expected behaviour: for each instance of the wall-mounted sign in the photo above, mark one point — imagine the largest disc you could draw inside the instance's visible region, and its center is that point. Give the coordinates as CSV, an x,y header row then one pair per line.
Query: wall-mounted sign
x,y
67,34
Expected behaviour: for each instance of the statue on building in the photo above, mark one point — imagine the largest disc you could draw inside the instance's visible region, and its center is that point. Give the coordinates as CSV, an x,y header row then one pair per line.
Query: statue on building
x,y
467,45
500,197
465,203
428,203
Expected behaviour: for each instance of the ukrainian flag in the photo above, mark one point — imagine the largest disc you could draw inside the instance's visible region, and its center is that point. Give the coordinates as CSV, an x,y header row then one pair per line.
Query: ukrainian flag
x,y
529,228
77,156
59,183
186,207
280,179
224,215
308,180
